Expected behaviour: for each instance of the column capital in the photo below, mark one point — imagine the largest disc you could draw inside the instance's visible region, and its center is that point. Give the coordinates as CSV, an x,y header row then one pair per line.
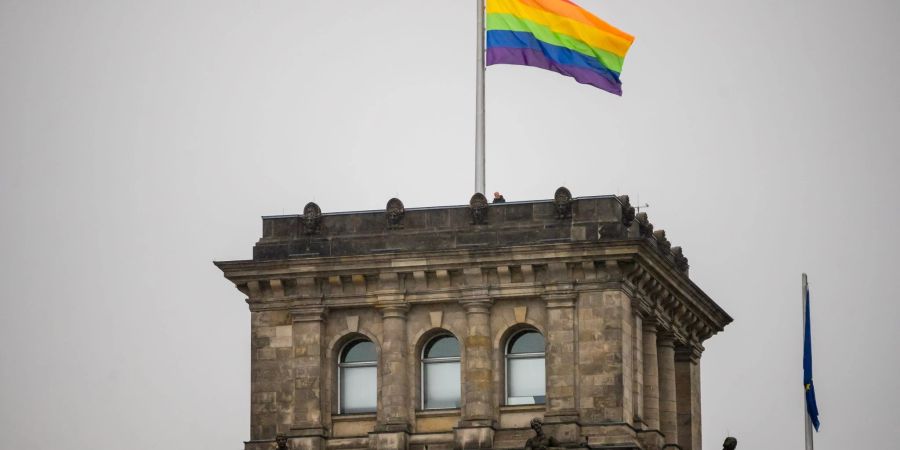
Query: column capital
x,y
665,338
316,313
651,323
690,352
480,305
393,309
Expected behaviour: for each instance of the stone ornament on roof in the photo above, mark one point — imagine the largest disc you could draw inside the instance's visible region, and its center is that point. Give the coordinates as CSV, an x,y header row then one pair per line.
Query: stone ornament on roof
x,y
662,244
627,211
394,213
478,208
562,199
681,261
312,218
645,228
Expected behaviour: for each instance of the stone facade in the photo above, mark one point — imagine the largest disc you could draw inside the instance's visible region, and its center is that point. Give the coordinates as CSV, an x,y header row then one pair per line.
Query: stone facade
x,y
622,322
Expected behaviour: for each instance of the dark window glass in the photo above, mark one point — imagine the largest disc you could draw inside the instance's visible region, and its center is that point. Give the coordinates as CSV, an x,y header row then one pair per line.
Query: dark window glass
x,y
527,342
442,347
361,351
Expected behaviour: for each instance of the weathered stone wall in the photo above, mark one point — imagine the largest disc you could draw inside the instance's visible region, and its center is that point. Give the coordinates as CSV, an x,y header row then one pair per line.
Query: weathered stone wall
x,y
622,322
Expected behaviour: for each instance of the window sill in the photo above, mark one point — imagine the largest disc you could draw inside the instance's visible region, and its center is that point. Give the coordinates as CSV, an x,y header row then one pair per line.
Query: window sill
x,y
523,408
438,412
352,417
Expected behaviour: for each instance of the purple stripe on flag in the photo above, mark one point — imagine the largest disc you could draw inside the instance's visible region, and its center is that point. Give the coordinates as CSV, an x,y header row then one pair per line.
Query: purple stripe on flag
x,y
533,58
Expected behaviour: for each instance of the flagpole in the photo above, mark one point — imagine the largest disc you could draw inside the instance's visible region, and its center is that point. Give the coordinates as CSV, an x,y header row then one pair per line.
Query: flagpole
x,y
806,419
479,102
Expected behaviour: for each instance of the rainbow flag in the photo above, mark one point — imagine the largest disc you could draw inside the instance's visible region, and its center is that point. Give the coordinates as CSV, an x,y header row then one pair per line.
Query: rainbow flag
x,y
556,35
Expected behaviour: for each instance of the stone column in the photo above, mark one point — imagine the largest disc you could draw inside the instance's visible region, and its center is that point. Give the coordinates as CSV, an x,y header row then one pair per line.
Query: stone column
x,y
560,363
651,376
475,429
668,411
393,414
638,367
687,381
307,431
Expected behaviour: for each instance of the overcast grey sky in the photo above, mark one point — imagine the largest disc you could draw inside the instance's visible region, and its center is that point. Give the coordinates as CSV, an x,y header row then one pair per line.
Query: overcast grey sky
x,y
143,139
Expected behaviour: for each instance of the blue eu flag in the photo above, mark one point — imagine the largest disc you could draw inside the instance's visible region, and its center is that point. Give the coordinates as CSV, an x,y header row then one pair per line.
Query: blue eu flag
x,y
811,408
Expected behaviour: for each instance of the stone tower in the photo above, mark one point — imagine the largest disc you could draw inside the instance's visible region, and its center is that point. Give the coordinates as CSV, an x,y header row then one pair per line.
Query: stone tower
x,y
452,327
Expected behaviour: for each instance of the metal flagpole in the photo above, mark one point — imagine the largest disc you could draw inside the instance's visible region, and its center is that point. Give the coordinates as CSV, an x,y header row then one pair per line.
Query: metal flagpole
x,y
806,419
479,103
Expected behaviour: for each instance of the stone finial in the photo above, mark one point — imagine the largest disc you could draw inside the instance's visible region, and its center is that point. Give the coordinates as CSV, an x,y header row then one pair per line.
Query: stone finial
x,y
681,261
627,211
644,225
394,213
312,218
478,208
662,243
562,200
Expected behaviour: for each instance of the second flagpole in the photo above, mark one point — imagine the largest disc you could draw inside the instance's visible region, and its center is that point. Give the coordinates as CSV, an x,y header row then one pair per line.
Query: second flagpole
x,y
479,102
807,421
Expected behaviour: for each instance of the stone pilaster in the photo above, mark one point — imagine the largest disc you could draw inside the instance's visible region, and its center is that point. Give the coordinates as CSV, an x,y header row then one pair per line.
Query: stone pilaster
x,y
668,408
476,427
561,413
393,413
687,381
604,366
650,437
271,374
307,432
638,367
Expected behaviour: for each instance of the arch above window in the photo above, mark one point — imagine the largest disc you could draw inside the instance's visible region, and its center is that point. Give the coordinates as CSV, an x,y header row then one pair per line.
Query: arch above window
x,y
526,382
441,373
358,378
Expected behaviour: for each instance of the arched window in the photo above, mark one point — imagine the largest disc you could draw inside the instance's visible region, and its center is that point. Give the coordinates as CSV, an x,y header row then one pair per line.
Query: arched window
x,y
525,380
358,378
440,373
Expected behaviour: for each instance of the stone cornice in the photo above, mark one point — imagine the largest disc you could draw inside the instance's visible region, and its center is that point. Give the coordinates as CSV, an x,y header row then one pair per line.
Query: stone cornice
x,y
526,271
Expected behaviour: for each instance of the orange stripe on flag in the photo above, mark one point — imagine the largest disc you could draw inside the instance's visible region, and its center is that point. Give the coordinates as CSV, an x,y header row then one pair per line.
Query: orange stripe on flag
x,y
572,11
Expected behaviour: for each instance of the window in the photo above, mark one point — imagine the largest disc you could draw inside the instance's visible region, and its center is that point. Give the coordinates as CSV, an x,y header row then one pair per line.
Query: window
x,y
440,373
525,380
357,378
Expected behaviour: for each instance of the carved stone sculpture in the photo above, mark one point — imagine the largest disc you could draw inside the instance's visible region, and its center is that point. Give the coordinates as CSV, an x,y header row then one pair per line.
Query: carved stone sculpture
x,y
729,444
394,213
540,441
562,199
662,243
312,218
478,208
644,226
281,441
681,261
627,211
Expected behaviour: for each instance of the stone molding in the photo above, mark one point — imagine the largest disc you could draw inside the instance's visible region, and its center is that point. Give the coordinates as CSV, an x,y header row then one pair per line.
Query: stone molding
x,y
477,305
309,314
689,352
544,271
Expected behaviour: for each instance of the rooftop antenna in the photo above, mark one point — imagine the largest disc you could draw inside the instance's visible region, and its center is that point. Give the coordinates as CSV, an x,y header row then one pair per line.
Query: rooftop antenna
x,y
637,208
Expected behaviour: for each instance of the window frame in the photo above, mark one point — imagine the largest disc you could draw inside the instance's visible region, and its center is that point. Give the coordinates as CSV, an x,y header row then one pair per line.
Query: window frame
x,y
341,365
423,361
532,355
